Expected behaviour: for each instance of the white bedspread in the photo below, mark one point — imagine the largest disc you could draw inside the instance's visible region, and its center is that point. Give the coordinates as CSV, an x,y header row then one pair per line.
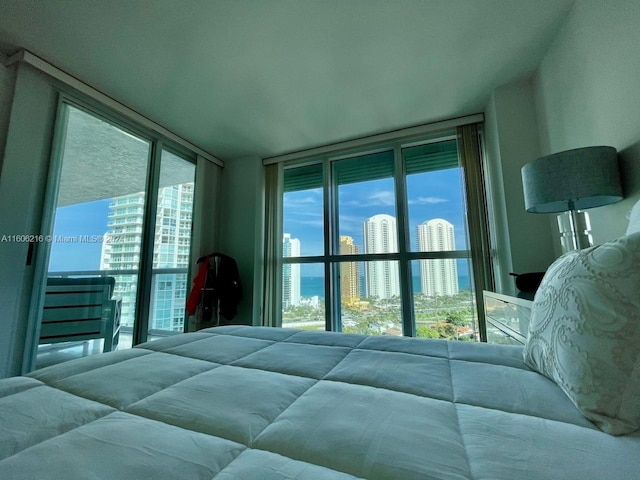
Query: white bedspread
x,y
245,403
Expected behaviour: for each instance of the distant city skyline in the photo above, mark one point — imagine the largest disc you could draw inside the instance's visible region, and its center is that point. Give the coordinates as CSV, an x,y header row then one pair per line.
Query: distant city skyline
x,y
433,194
381,278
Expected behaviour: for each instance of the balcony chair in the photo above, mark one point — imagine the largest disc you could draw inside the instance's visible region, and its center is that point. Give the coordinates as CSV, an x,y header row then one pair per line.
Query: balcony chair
x,y
81,309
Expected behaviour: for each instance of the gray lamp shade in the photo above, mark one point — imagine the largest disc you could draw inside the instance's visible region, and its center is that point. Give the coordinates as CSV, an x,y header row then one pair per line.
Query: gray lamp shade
x,y
572,180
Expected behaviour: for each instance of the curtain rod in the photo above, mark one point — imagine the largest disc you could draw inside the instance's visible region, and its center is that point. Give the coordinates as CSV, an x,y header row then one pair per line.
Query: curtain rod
x,y
44,66
376,138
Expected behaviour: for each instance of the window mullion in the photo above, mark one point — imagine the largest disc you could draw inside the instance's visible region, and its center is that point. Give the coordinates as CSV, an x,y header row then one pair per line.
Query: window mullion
x,y
332,307
143,297
408,323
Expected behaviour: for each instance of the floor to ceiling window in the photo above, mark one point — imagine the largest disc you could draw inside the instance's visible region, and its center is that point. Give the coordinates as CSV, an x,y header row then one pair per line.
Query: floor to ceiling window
x,y
377,242
171,245
104,227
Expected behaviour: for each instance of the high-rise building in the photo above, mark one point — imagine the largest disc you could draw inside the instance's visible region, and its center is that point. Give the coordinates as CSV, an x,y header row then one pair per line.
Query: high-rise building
x,y
349,272
290,272
121,251
382,279
437,276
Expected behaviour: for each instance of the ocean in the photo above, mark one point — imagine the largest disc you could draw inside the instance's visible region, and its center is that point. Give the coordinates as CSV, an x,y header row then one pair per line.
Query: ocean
x,y
312,286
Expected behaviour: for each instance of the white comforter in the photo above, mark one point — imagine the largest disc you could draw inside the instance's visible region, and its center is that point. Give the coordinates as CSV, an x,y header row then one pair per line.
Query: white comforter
x,y
244,403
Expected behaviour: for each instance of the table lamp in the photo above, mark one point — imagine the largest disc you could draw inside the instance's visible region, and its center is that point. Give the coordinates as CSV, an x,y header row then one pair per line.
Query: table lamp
x,y
569,182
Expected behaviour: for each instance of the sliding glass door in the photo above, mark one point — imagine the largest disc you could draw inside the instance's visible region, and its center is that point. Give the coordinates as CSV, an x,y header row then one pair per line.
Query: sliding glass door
x,y
103,230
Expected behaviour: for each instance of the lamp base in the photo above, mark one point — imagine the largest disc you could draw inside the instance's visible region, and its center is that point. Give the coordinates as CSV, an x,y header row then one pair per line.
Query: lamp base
x,y
575,230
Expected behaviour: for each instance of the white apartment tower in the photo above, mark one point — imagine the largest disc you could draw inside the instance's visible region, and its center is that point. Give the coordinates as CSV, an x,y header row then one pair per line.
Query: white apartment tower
x,y
172,240
437,276
290,272
382,279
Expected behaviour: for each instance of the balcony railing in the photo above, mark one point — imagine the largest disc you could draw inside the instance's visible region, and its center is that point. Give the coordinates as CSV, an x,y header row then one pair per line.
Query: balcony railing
x,y
125,289
130,201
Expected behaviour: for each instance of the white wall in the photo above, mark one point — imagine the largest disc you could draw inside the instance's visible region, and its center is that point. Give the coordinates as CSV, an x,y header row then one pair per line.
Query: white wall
x,y
522,241
22,185
241,229
588,93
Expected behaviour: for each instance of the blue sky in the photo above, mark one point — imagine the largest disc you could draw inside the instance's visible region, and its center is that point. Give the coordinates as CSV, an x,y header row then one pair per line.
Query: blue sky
x,y
75,221
430,195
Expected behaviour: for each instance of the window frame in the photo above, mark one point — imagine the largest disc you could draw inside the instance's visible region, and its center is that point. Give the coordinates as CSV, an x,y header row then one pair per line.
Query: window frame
x,y
65,98
331,259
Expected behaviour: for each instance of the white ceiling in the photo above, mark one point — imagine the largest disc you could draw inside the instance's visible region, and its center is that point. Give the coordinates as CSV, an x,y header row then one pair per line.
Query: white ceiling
x,y
264,77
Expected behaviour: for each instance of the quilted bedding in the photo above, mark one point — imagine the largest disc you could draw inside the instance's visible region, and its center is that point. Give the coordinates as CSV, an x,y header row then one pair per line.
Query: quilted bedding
x,y
244,403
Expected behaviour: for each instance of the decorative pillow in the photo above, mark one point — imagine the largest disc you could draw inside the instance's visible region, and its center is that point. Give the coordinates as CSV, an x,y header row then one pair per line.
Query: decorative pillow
x,y
584,332
634,219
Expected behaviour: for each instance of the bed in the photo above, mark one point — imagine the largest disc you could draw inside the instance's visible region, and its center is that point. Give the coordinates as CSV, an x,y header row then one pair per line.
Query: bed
x,y
258,403
241,403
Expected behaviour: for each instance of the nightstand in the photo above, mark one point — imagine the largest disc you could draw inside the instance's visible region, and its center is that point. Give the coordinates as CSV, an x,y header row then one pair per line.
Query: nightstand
x,y
507,318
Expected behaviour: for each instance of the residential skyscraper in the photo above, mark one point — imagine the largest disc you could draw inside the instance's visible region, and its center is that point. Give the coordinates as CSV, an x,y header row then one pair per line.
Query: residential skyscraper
x,y
121,251
290,272
437,276
382,279
349,272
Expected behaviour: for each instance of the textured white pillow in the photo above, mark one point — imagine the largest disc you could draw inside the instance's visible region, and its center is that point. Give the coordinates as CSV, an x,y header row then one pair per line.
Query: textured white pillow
x,y
584,332
634,219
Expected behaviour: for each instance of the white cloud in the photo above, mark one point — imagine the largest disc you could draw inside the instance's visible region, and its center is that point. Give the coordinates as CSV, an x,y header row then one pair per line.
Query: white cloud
x,y
427,201
302,201
383,198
